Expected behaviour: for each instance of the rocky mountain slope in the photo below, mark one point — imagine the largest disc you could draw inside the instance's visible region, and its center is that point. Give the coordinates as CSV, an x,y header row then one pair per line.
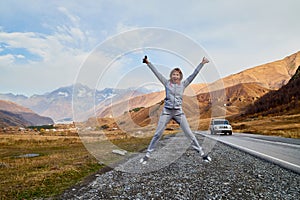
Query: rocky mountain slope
x,y
275,113
12,114
271,75
237,90
197,108
286,100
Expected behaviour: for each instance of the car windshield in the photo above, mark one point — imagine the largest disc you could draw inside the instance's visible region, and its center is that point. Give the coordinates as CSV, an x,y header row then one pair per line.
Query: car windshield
x,y
221,122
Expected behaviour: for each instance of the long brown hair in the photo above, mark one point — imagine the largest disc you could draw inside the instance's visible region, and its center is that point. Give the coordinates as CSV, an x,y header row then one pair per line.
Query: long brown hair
x,y
177,70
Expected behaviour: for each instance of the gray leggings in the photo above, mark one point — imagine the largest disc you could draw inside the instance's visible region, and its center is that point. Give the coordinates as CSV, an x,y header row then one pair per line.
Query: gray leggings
x,y
179,117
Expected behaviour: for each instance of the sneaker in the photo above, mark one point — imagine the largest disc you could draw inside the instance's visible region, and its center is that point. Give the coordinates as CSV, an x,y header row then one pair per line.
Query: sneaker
x,y
144,160
206,158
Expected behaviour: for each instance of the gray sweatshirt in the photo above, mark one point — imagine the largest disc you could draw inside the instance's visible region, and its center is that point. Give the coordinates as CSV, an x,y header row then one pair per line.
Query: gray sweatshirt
x,y
174,91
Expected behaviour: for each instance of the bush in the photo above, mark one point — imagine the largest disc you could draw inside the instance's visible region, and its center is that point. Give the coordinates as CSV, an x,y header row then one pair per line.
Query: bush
x,y
136,109
41,127
105,126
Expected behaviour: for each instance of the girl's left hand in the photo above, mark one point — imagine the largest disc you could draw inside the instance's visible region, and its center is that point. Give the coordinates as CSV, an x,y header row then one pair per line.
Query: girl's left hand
x,y
205,60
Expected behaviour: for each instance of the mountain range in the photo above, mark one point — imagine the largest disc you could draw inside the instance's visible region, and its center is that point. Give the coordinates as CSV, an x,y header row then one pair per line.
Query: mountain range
x,y
235,92
58,103
282,101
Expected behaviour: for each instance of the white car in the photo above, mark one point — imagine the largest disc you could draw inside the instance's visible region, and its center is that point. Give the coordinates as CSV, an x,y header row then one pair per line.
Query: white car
x,y
220,126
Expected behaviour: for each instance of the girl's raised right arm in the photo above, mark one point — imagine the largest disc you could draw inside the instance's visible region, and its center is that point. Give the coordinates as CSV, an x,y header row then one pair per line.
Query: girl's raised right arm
x,y
160,77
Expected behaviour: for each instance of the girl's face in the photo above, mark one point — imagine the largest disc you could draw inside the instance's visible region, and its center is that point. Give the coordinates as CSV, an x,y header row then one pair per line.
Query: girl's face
x,y
175,77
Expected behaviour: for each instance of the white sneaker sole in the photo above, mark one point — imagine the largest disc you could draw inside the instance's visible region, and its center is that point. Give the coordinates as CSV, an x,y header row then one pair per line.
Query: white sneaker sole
x,y
208,159
143,161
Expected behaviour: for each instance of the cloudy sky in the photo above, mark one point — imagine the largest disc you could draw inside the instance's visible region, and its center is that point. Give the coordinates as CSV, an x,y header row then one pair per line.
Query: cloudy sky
x,y
45,45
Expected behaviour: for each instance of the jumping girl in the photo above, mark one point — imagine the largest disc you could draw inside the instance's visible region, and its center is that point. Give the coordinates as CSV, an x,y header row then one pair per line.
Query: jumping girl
x,y
174,88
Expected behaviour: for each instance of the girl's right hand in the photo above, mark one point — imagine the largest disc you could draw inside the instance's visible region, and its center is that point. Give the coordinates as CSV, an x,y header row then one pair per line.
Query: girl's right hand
x,y
145,60
205,60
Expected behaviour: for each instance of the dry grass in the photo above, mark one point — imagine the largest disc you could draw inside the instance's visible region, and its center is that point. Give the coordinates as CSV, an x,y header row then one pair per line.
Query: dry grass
x,y
63,161
285,125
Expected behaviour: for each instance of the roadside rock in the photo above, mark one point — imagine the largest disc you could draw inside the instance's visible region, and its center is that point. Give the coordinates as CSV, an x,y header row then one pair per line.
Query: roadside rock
x,y
119,152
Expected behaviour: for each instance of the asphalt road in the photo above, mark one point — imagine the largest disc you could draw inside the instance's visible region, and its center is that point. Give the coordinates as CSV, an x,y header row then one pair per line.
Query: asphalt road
x,y
281,151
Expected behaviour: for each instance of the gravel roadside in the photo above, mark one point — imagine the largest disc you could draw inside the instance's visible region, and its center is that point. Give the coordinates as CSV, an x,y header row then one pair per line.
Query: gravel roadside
x,y
232,174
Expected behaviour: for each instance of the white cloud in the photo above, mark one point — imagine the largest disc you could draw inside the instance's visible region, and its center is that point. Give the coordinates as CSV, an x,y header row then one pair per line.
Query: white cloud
x,y
121,27
61,53
20,56
6,60
236,34
72,34
73,18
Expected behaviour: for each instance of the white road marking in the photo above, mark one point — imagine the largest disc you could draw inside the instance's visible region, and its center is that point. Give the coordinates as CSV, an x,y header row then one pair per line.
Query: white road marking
x,y
283,163
275,142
